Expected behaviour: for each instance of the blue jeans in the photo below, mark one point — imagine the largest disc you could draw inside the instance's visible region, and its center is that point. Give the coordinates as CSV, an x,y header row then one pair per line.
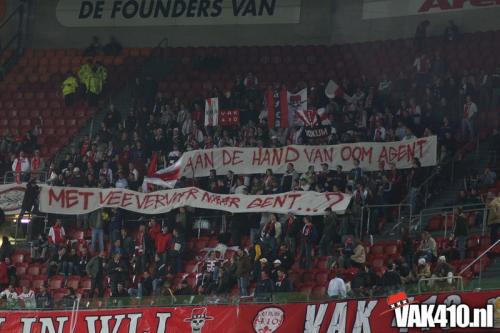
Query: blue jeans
x,y
243,285
97,235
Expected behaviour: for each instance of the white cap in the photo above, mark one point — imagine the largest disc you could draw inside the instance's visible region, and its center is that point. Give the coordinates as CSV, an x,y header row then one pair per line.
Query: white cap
x,y
442,258
263,260
76,169
277,261
421,261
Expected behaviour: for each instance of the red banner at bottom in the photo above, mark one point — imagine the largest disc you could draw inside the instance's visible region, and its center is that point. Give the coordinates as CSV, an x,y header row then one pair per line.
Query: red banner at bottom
x,y
372,315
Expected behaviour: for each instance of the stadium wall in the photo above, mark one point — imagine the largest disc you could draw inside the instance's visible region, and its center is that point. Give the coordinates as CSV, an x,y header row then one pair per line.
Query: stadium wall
x,y
56,23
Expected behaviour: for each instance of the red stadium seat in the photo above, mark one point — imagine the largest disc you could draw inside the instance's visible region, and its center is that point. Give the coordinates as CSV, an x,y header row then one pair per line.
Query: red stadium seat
x,y
33,269
21,269
318,292
56,282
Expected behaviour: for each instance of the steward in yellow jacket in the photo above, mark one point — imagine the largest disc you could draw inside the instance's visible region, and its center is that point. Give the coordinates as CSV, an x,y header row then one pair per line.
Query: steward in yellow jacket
x,y
69,88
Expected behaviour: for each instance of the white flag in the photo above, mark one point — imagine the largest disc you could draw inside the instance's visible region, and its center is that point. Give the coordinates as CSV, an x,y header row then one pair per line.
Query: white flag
x,y
333,90
297,106
212,111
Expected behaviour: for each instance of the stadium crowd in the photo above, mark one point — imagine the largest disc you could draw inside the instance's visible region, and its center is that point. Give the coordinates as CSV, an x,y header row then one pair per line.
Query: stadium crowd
x,y
143,256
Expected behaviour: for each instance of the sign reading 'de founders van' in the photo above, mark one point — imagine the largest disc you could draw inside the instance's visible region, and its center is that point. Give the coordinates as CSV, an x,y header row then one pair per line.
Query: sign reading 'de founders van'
x,y
105,13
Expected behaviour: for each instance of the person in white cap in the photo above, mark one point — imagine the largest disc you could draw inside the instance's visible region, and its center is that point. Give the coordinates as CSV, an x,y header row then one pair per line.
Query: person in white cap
x,y
442,270
274,269
423,269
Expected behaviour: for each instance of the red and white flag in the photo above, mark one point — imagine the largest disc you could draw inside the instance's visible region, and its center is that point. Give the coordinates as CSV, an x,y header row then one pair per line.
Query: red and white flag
x,y
212,111
166,177
277,108
333,90
297,107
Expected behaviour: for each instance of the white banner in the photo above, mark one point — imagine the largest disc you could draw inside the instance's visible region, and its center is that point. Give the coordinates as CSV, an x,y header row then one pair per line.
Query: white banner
x,y
371,155
72,200
125,13
11,198
374,9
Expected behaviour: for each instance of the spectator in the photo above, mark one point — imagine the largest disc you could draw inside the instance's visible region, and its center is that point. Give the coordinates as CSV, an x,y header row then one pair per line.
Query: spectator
x,y
442,270
96,223
10,295
450,247
21,167
427,248
60,263
391,280
470,110
11,270
285,257
493,204
94,48
69,298
271,233
358,258
127,244
37,162
282,284
488,178
461,230
28,297
185,289
144,287
6,249
308,236
451,31
336,287
117,271
264,286
57,236
43,298
83,260
423,269
163,242
288,178
119,292
113,48
243,269
329,234
4,274
421,34
291,230
176,250
95,270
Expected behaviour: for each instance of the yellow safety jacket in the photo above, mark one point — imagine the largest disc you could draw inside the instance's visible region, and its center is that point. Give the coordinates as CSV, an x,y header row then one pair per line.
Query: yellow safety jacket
x,y
69,85
84,74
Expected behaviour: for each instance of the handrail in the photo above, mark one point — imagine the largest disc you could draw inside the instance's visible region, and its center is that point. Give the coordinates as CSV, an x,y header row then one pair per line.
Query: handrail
x,y
478,207
454,277
14,12
399,205
41,175
479,257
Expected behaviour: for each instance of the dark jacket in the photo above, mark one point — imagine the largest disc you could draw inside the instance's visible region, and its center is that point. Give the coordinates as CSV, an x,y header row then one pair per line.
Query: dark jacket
x,y
461,226
264,287
243,266
284,286
94,267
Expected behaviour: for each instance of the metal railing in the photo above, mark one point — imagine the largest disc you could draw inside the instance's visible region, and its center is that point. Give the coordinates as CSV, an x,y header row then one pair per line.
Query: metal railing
x,y
11,176
399,216
428,283
451,209
492,246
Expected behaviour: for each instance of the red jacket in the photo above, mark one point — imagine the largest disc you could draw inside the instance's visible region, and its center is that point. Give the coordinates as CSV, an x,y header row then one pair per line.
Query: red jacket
x,y
162,242
4,277
154,232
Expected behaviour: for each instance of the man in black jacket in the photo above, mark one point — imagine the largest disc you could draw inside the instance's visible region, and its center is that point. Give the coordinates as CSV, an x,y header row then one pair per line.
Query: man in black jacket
x,y
117,271
283,283
265,285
